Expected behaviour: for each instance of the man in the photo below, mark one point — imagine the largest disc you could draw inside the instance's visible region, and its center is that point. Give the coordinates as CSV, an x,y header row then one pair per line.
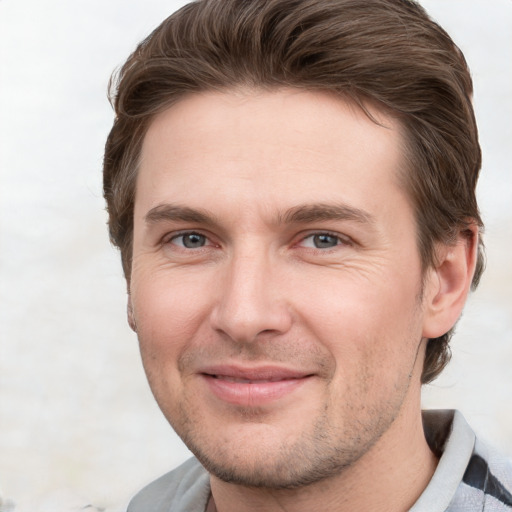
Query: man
x,y
292,187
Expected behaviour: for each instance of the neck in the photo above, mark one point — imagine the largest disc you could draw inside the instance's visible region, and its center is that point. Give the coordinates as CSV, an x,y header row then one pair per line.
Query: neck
x,y
390,477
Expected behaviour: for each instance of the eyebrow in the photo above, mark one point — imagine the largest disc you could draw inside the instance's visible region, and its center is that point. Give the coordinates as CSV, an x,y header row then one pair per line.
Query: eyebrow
x,y
171,212
302,214
321,212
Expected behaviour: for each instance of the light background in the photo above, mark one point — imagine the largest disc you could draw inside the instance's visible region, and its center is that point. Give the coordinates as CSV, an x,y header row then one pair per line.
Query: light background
x,y
78,424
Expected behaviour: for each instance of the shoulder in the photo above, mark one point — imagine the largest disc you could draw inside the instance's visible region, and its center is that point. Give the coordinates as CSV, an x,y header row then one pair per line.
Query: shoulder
x,y
186,488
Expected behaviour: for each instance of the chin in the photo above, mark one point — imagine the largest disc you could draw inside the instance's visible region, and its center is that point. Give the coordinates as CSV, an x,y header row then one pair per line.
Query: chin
x,y
262,460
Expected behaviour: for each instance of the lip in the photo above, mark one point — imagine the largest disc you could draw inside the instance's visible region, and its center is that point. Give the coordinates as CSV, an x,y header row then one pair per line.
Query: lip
x,y
252,387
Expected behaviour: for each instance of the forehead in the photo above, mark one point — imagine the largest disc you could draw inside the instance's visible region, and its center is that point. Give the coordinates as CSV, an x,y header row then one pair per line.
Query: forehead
x,y
282,147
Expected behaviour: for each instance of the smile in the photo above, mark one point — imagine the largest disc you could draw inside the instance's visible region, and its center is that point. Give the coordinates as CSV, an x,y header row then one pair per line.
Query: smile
x,y
252,387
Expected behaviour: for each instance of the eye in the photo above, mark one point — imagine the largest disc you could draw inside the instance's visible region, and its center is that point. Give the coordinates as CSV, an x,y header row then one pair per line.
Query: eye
x,y
190,240
322,241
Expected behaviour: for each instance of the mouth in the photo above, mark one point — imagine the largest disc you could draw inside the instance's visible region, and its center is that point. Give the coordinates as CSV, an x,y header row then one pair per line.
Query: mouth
x,y
227,378
253,387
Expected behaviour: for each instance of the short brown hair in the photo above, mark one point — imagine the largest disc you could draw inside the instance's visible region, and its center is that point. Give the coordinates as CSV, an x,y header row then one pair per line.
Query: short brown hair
x,y
386,52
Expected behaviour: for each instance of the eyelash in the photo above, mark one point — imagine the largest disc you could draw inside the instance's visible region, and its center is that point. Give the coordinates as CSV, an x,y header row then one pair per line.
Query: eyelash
x,y
340,240
170,239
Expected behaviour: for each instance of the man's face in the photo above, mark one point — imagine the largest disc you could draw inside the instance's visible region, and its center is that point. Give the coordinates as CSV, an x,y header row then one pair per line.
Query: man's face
x,y
276,282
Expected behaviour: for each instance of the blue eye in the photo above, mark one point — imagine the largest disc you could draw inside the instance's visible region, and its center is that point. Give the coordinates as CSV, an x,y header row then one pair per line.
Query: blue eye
x,y
325,241
190,240
321,241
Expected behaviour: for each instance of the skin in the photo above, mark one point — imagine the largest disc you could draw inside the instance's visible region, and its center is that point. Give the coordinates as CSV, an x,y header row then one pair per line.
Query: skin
x,y
271,238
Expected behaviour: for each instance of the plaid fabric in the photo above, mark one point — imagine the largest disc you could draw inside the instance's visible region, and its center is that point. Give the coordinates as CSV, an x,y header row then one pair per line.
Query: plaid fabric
x,y
486,484
470,476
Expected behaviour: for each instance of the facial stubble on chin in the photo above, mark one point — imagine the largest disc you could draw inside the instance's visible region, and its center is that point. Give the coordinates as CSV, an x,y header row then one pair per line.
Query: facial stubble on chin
x,y
316,456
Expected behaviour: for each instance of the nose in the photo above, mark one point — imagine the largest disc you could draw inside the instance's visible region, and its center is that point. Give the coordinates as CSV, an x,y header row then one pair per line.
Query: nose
x,y
251,302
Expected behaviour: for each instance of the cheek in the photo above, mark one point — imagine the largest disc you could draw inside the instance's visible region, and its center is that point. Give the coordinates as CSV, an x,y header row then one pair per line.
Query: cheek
x,y
371,328
168,313
169,316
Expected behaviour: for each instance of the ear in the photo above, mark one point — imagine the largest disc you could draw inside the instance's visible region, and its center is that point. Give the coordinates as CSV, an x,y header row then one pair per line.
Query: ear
x,y
130,315
448,284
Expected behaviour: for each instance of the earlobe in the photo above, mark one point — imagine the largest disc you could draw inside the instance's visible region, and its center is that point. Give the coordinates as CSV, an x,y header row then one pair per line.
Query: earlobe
x,y
130,315
448,284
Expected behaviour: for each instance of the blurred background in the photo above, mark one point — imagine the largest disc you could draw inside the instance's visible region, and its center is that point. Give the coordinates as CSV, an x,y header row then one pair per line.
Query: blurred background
x,y
78,424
